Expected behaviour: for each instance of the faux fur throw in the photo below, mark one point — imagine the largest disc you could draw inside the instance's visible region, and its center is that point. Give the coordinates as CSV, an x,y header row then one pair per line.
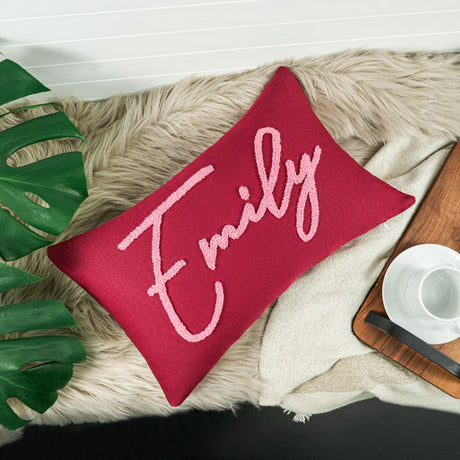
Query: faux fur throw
x,y
366,99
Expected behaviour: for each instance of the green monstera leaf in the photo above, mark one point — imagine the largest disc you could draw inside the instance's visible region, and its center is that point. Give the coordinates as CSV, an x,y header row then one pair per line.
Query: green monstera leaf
x,y
58,181
41,196
47,360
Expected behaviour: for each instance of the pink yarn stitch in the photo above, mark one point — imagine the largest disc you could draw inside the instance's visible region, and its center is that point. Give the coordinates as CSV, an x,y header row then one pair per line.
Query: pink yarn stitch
x,y
244,193
154,220
305,176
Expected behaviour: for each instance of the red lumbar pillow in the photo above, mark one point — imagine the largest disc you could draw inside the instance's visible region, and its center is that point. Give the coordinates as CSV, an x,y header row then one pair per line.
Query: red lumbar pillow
x,y
188,269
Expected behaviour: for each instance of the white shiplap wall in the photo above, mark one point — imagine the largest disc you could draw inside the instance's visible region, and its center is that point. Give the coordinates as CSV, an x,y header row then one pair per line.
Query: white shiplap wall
x,y
96,48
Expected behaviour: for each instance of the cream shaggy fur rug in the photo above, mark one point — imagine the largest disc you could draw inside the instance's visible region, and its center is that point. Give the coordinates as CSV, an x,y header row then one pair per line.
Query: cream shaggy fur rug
x,y
137,142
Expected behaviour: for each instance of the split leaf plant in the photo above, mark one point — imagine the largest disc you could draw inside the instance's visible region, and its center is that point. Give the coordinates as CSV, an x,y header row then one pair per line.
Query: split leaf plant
x,y
33,368
49,358
59,180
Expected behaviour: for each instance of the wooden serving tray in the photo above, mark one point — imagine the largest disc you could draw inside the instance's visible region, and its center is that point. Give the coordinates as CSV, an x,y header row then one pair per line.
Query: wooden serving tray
x,y
437,221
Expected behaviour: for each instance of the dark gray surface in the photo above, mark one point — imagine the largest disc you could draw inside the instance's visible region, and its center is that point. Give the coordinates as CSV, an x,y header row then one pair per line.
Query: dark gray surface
x,y
365,430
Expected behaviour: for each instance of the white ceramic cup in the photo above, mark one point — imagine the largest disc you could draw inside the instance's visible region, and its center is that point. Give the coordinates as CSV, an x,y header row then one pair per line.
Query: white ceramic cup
x,y
434,295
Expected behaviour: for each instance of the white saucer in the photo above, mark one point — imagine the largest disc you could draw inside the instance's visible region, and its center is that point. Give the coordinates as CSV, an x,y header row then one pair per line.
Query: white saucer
x,y
423,256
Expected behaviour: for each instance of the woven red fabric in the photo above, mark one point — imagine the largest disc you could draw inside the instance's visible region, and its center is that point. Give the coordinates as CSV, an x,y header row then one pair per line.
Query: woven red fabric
x,y
188,269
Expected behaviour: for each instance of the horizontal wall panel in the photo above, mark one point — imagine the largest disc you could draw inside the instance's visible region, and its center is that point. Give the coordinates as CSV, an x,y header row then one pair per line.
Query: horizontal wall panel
x,y
241,51
165,21
34,10
250,36
97,48
101,89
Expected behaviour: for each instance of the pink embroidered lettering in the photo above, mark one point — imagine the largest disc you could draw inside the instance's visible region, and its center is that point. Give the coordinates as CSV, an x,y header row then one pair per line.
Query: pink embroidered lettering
x,y
305,176
155,220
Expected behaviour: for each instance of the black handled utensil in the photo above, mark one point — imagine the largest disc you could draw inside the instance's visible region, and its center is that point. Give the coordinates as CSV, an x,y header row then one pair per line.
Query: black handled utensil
x,y
412,341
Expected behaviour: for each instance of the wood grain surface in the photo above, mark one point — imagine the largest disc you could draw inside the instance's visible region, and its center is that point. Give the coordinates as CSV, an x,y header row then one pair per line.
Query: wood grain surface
x,y
437,221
